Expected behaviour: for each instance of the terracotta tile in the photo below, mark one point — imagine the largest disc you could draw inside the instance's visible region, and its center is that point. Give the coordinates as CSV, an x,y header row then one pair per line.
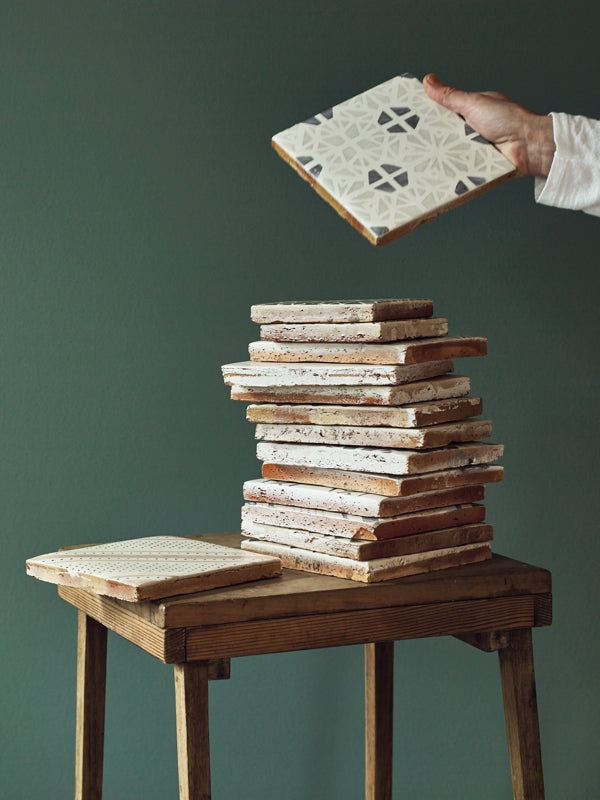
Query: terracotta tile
x,y
362,550
261,373
390,331
374,570
375,459
414,352
412,438
414,392
340,311
392,485
419,414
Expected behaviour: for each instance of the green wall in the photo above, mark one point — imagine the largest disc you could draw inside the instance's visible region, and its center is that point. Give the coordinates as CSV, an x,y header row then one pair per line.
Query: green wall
x,y
142,212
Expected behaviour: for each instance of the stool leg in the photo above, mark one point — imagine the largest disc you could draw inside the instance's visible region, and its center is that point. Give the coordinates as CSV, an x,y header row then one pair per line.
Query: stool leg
x,y
193,753
91,690
520,710
379,719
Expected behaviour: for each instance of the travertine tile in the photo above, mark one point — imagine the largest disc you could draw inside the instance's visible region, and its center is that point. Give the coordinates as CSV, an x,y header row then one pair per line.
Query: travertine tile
x,y
391,158
361,503
340,310
361,549
390,331
377,459
415,392
262,373
374,570
354,526
151,567
413,352
419,414
413,438
393,485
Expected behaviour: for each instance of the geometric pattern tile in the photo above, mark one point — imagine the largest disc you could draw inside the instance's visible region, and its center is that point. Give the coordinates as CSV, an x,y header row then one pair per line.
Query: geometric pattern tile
x,y
391,158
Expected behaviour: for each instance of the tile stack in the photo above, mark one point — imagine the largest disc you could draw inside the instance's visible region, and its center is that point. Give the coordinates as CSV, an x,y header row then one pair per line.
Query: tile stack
x,y
373,464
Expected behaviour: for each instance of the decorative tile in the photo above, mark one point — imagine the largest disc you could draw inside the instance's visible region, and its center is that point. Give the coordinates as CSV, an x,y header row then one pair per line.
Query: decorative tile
x,y
151,567
391,158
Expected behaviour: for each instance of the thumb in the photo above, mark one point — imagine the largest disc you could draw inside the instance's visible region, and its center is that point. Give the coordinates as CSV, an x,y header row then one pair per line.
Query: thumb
x,y
454,99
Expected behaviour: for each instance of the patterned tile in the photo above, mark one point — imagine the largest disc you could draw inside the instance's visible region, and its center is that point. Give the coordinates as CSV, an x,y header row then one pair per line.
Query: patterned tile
x,y
391,158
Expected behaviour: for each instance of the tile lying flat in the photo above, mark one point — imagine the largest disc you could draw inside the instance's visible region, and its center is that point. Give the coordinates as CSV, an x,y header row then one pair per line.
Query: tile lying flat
x,y
416,415
264,373
360,503
415,392
361,549
412,438
374,570
354,526
391,158
376,459
392,485
340,311
151,567
413,352
387,331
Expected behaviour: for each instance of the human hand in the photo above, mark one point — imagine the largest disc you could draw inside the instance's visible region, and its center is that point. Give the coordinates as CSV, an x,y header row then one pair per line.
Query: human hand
x,y
524,137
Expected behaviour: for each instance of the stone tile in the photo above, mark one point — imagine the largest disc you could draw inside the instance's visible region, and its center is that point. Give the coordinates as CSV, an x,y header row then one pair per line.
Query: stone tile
x,y
390,331
414,352
340,311
412,438
419,414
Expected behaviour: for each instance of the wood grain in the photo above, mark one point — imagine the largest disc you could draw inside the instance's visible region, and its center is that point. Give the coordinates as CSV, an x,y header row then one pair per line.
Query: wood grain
x,y
193,749
379,719
90,709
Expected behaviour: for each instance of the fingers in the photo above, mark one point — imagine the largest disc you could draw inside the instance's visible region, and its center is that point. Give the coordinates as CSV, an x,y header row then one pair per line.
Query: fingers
x,y
454,99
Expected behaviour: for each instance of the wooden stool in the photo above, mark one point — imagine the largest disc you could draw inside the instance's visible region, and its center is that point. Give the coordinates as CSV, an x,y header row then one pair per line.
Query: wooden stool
x,y
492,605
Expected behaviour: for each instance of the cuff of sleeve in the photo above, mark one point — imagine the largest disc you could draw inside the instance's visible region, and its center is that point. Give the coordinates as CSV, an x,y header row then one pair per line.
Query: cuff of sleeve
x,y
574,178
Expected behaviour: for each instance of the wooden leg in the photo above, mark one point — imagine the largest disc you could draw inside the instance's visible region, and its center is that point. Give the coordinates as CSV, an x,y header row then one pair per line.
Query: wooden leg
x,y
193,752
91,690
379,719
520,709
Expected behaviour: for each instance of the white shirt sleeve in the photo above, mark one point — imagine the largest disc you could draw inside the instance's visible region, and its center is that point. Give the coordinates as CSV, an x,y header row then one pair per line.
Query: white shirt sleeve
x,y
574,178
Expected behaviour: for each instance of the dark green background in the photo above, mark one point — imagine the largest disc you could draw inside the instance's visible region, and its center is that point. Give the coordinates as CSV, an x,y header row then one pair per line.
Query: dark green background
x,y
142,212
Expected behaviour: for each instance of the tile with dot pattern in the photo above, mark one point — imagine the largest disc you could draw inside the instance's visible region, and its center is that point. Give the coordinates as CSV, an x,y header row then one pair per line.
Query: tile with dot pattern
x,y
152,567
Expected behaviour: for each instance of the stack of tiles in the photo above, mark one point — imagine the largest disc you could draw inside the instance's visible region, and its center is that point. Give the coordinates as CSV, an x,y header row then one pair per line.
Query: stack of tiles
x,y
373,464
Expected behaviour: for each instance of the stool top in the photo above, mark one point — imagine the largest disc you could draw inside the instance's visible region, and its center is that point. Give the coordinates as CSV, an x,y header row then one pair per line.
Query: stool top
x,y
306,593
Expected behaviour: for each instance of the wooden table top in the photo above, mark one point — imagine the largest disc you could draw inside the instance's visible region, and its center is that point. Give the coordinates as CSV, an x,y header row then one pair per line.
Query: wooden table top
x,y
302,610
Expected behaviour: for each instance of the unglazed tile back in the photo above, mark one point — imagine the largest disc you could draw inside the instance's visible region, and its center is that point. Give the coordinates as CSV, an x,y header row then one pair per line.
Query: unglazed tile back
x,y
391,158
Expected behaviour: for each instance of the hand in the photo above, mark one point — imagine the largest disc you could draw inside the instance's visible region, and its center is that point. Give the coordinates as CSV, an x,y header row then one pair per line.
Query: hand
x,y
524,137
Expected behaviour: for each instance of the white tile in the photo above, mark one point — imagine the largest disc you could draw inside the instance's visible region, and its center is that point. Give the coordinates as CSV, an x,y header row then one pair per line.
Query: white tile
x,y
391,158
